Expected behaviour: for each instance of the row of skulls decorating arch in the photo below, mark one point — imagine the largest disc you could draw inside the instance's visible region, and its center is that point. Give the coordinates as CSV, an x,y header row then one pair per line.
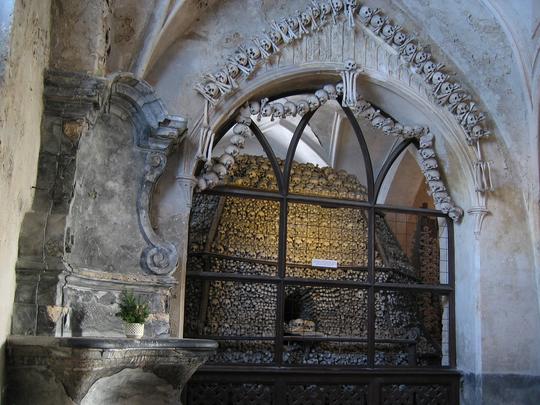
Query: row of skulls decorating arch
x,y
215,87
216,169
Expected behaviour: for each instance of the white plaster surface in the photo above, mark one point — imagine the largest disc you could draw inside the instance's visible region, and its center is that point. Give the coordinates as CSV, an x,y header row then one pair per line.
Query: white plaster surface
x,y
21,89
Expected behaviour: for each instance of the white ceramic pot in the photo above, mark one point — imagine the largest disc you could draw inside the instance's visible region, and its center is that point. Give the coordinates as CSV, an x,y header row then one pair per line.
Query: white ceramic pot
x,y
134,330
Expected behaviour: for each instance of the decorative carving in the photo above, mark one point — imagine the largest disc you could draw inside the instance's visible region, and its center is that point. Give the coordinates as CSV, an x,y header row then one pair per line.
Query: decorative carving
x,y
157,133
216,169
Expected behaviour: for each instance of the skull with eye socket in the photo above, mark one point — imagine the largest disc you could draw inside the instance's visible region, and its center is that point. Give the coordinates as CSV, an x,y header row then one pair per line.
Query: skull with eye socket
x,y
340,87
313,102
241,58
222,77
266,110
455,98
350,65
306,18
278,110
400,38
233,70
446,88
462,109
314,10
322,95
212,90
421,57
376,22
275,36
302,107
388,31
241,129
365,14
326,8
254,107
290,109
337,5
438,78
253,52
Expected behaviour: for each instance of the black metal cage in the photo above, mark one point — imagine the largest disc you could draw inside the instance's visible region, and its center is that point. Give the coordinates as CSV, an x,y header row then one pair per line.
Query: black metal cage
x,y
395,339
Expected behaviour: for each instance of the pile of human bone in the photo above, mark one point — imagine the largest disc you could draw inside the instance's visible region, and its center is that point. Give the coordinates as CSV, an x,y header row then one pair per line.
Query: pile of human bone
x,y
241,236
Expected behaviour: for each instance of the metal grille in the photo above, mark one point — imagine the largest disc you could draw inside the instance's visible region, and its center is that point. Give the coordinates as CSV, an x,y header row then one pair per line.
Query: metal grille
x,y
294,333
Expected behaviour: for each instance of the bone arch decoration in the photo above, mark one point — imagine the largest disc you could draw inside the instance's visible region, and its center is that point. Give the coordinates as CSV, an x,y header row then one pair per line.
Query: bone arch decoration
x,y
452,95
216,169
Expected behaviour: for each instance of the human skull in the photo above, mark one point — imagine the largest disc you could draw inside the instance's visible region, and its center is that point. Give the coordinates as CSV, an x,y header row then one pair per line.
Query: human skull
x,y
427,153
266,111
436,186
455,214
275,36
376,21
429,164
477,132
241,129
388,31
211,179
221,76
226,160
337,4
378,121
438,77
410,49
472,119
211,89
365,14
313,102
220,170
254,52
432,174
278,110
315,10
232,150
201,184
368,113
399,38
302,107
441,196
429,67
340,88
331,90
326,8
445,206
322,95
454,98
241,58
350,64
421,57
266,44
233,70
290,109
426,141
254,107
446,88
238,140
293,22
462,108
306,18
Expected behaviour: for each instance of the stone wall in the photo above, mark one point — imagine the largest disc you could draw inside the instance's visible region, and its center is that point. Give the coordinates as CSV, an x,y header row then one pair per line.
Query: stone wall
x,y
24,45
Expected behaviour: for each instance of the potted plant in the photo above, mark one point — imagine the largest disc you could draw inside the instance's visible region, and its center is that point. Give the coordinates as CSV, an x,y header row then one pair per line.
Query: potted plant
x,y
134,313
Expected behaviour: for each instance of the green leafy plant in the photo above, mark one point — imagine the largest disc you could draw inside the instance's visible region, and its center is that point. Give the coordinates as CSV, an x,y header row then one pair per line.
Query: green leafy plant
x,y
132,310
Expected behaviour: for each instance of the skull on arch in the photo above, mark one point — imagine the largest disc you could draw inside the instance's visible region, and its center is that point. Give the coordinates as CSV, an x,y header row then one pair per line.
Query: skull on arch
x,y
337,5
438,78
376,21
221,76
388,31
340,87
399,38
313,102
350,65
211,89
254,52
322,95
302,107
290,109
331,90
254,107
241,58
278,110
233,70
365,14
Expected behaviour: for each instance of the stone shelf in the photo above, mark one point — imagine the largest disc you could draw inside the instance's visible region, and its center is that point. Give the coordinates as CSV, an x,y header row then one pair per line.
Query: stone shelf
x,y
101,370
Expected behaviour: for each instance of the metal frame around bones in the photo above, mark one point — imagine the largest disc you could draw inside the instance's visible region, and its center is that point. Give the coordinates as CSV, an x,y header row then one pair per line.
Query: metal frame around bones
x,y
370,207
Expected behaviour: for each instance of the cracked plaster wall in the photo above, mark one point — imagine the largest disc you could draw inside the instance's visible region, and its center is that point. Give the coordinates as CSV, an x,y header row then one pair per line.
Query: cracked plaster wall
x,y
24,44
